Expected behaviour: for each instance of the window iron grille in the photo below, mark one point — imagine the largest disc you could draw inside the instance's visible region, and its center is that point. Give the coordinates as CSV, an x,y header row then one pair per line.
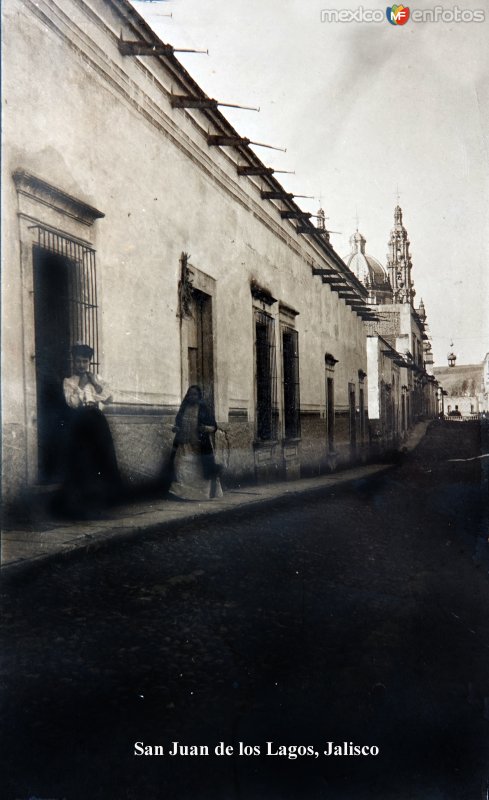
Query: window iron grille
x,y
291,388
81,286
266,377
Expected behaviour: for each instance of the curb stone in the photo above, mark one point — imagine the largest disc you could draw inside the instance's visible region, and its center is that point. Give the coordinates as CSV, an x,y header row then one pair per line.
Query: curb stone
x,y
88,543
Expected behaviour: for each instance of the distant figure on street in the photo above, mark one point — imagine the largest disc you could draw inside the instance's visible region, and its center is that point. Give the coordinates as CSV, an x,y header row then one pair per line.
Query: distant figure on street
x,y
196,474
91,479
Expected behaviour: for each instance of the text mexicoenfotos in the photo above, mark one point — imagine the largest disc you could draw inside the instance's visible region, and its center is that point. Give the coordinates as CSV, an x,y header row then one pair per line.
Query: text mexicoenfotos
x,y
398,15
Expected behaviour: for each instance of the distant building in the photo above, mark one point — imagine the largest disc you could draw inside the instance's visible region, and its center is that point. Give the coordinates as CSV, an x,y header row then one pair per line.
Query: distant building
x,y
399,347
465,386
485,384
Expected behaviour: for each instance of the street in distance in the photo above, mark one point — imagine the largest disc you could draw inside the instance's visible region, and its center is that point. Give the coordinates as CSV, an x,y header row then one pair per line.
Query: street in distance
x,y
291,751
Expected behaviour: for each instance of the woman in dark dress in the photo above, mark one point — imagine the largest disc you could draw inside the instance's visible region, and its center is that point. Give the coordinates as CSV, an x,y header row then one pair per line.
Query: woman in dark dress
x,y
91,479
195,470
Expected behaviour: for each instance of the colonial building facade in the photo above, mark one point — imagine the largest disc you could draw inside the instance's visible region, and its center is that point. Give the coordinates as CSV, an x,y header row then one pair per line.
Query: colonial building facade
x,y
137,220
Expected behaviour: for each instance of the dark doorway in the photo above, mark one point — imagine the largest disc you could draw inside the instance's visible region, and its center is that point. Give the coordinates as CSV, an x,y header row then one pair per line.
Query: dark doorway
x,y
362,413
353,418
52,338
330,413
200,345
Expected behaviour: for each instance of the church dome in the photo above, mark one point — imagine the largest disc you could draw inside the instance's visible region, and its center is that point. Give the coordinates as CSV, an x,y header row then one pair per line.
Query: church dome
x,y
366,268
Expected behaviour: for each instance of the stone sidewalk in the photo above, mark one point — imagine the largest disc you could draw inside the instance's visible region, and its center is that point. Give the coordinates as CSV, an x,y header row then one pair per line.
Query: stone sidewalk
x,y
21,547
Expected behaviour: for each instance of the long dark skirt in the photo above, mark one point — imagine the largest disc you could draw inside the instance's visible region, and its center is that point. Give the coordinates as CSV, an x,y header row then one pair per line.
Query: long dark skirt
x,y
91,480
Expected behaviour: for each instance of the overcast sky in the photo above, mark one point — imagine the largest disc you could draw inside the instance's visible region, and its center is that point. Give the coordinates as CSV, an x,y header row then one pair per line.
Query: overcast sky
x,y
364,108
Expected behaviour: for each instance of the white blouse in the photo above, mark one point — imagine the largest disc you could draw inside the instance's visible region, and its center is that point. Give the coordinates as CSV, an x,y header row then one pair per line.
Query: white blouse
x,y
88,396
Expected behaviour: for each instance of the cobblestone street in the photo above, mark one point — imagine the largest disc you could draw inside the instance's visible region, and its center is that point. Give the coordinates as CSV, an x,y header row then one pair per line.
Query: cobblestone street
x,y
358,615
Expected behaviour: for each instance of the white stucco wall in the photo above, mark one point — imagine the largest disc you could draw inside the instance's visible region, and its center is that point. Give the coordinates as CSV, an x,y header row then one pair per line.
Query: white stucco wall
x,y
99,126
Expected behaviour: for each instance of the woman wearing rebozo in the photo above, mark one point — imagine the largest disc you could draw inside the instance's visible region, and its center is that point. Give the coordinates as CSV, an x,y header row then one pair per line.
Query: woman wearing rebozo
x,y
196,474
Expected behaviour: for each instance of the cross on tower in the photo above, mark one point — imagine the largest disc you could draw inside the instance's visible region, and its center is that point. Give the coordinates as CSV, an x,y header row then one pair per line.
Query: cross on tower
x,y
397,194
320,201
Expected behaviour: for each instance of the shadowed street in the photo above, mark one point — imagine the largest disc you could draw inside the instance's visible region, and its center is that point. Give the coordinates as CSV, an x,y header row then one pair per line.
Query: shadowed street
x,y
358,616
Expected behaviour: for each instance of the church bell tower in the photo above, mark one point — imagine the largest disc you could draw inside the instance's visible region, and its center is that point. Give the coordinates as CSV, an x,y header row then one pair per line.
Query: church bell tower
x,y
399,262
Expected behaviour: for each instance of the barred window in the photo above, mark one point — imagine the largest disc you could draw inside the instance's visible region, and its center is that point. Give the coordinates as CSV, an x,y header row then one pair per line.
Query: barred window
x,y
266,377
290,373
65,269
